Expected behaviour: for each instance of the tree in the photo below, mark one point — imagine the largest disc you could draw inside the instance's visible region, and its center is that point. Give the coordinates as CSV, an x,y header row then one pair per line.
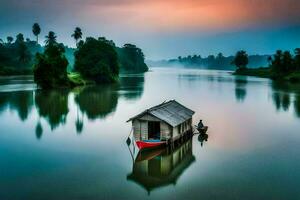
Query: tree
x,y
36,29
50,69
241,60
23,53
132,59
297,59
9,39
97,60
50,38
19,38
77,35
288,62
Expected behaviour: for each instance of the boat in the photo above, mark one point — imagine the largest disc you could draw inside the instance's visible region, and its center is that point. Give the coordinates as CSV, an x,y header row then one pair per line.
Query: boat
x,y
163,124
203,129
149,144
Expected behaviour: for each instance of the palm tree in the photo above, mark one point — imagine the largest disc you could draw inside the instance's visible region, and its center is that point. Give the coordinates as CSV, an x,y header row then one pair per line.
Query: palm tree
x,y
9,39
50,38
77,34
36,29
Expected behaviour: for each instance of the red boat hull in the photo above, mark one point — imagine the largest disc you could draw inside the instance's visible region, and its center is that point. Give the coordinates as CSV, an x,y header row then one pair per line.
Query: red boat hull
x,y
148,145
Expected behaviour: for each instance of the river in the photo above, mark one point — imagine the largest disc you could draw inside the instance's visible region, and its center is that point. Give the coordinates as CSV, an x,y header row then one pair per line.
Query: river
x,y
71,144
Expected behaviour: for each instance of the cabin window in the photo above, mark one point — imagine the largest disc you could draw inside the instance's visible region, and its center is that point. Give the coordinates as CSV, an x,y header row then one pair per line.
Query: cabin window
x,y
153,130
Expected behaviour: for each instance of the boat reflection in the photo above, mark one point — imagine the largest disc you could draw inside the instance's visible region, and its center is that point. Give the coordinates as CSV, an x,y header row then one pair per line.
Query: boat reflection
x,y
156,168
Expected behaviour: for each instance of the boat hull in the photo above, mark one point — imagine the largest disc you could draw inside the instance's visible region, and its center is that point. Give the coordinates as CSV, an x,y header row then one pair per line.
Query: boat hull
x,y
149,144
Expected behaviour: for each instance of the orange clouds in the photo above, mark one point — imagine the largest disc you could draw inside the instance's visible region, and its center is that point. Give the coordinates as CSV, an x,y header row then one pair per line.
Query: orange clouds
x,y
199,15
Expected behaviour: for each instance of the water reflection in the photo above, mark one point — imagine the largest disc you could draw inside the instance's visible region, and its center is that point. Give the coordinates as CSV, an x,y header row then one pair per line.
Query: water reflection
x,y
53,106
132,86
97,101
161,167
21,102
203,137
240,88
284,94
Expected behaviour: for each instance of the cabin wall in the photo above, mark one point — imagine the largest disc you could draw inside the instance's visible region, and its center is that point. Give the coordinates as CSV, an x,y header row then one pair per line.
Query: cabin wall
x,y
136,129
140,128
182,128
165,131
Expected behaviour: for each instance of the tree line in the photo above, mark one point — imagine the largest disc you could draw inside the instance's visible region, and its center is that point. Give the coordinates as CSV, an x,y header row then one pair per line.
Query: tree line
x,y
97,59
281,64
218,61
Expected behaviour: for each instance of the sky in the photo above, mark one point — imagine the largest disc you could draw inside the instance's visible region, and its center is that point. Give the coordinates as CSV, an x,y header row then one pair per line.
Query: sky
x,y
163,29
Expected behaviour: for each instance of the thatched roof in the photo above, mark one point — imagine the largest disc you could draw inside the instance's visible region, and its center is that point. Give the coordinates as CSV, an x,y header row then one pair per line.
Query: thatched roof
x,y
171,112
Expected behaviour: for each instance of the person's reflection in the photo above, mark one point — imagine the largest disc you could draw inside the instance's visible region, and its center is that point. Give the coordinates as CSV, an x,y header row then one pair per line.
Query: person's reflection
x,y
53,106
240,89
203,137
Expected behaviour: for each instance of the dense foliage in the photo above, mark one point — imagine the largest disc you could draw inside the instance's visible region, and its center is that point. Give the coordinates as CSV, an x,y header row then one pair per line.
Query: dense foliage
x,y
97,60
17,56
241,60
284,63
50,69
218,61
131,59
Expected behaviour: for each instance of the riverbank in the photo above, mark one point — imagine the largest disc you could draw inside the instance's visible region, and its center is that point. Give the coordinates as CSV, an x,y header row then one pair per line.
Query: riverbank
x,y
10,71
266,73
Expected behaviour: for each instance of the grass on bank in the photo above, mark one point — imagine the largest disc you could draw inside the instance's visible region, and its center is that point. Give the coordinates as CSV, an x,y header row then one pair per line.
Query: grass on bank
x,y
293,77
262,72
11,71
77,80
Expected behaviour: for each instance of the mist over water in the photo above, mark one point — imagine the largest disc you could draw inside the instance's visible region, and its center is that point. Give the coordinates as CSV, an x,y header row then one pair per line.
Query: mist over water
x,y
72,143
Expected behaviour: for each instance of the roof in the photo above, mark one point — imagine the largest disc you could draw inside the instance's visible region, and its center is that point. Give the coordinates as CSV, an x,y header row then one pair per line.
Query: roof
x,y
170,112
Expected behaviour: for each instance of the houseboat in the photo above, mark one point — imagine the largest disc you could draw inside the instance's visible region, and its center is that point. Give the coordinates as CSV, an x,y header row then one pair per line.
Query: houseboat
x,y
163,124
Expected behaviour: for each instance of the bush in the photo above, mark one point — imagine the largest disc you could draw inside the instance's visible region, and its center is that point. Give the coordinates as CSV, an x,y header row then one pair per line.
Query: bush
x,y
50,69
97,60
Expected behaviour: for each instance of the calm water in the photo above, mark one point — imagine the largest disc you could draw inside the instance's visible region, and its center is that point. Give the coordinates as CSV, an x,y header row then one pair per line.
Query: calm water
x,y
71,144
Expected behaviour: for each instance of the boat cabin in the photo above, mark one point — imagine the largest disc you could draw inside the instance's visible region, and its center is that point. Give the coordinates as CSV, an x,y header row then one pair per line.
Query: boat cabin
x,y
167,121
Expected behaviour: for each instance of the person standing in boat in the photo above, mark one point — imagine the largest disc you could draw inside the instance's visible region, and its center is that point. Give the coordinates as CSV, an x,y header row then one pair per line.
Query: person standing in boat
x,y
200,124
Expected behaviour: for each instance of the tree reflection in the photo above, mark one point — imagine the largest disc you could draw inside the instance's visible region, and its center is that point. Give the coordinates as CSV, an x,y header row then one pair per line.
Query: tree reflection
x,y
79,122
38,130
20,101
240,89
53,106
283,93
132,86
97,101
297,105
